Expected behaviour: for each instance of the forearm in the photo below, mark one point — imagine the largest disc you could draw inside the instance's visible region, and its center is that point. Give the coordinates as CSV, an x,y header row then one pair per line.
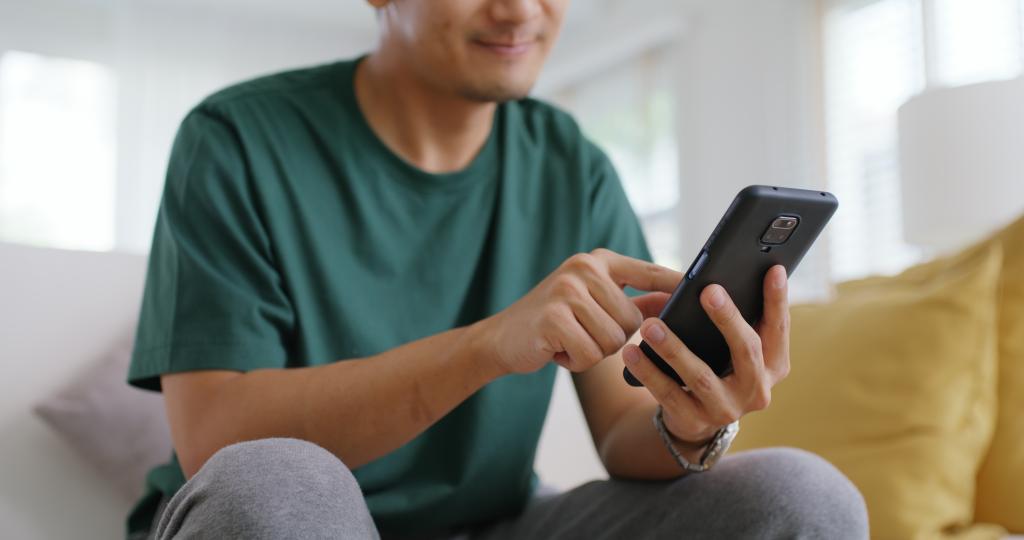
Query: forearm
x,y
633,448
359,409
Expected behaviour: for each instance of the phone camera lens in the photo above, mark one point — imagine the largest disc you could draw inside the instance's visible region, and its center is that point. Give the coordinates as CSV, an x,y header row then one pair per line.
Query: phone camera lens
x,y
784,223
780,230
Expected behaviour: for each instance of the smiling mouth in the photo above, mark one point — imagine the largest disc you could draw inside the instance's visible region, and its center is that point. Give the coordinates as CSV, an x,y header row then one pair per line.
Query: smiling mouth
x,y
506,48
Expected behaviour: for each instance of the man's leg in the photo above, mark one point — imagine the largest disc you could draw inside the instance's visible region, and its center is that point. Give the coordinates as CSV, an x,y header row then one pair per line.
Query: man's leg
x,y
269,488
771,493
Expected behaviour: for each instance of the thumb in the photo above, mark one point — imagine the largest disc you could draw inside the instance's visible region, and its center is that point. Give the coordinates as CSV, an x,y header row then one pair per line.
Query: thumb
x,y
651,304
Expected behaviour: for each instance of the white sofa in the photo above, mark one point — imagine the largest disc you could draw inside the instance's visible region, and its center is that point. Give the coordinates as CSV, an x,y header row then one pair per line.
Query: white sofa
x,y
62,310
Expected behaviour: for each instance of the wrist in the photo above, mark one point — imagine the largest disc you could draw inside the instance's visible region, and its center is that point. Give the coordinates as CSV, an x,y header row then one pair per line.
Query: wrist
x,y
689,443
688,446
690,452
479,350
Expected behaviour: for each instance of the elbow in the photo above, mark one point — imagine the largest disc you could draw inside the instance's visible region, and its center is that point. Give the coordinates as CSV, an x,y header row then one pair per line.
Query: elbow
x,y
606,451
192,448
190,465
196,416
191,459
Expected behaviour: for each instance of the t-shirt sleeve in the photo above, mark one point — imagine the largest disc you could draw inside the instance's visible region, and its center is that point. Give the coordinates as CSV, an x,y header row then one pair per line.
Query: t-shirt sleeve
x,y
613,224
213,297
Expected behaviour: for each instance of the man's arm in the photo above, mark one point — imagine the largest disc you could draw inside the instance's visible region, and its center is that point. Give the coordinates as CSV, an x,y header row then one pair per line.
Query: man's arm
x,y
619,419
361,409
358,409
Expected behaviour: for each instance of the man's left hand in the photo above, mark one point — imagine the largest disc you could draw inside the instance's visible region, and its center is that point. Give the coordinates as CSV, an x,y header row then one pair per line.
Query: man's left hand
x,y
760,359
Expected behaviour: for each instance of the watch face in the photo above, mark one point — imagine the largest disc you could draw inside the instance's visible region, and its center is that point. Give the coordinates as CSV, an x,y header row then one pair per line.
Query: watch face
x,y
719,445
715,454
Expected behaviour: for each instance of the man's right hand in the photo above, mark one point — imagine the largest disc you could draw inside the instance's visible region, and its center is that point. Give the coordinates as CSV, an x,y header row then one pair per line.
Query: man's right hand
x,y
579,314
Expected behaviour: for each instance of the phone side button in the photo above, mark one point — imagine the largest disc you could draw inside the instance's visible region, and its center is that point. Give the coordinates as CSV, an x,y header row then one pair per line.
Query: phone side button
x,y
698,264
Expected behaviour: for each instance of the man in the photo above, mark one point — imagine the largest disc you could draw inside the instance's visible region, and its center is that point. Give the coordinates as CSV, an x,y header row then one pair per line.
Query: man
x,y
412,214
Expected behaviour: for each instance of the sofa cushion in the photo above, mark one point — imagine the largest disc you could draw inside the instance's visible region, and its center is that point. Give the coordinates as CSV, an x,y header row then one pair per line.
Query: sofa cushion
x,y
1000,497
120,430
895,385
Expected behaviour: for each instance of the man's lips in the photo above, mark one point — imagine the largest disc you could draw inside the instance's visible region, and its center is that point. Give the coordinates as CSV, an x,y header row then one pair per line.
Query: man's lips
x,y
506,48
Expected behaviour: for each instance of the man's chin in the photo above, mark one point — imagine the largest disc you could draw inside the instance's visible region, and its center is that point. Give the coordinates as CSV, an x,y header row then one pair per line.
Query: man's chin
x,y
495,93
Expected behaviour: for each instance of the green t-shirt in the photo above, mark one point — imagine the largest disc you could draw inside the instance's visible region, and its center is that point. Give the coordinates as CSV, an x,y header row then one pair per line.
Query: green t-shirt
x,y
290,235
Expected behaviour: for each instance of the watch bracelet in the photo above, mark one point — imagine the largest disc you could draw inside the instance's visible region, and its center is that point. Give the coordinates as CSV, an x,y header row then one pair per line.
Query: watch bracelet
x,y
666,437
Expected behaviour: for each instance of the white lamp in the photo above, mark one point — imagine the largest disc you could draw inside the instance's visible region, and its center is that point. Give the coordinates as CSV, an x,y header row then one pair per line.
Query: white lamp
x,y
962,162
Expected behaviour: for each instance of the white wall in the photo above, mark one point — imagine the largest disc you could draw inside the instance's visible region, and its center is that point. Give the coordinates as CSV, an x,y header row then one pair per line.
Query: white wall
x,y
749,112
167,58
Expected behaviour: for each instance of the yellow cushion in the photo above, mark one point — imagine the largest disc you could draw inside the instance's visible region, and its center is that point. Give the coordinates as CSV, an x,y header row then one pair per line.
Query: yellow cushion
x,y
1001,480
895,385
1000,497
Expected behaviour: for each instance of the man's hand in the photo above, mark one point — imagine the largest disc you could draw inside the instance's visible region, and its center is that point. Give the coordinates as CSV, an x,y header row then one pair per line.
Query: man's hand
x,y
760,359
578,315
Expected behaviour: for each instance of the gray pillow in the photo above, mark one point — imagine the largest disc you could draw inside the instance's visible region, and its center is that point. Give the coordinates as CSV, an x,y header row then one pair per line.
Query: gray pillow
x,y
119,429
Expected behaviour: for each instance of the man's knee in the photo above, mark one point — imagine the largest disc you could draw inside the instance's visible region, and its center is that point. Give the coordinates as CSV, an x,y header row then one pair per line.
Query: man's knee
x,y
801,494
275,465
770,493
268,487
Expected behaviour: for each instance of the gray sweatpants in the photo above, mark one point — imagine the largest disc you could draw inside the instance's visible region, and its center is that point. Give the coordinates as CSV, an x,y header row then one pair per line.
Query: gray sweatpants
x,y
287,488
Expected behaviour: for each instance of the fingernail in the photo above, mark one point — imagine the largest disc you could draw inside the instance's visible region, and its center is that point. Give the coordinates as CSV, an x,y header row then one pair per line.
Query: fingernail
x,y
717,299
654,333
629,355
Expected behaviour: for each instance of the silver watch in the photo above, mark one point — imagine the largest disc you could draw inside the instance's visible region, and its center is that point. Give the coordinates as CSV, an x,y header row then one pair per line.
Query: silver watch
x,y
712,452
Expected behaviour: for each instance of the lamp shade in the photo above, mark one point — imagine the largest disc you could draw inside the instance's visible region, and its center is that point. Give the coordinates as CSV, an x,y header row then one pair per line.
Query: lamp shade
x,y
961,162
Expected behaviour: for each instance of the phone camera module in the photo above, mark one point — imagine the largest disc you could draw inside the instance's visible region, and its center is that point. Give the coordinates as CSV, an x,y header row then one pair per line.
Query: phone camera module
x,y
780,230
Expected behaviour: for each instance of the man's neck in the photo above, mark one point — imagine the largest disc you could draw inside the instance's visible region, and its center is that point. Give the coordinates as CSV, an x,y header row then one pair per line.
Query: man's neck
x,y
436,132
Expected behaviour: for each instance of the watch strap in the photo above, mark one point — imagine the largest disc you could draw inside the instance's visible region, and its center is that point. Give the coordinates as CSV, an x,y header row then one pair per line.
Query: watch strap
x,y
713,450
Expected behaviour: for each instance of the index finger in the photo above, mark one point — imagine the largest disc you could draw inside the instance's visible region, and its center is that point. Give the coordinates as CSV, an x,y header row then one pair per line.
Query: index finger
x,y
639,274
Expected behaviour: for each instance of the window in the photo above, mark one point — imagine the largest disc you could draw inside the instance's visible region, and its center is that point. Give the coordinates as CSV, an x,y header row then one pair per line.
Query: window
x,y
872,65
57,152
878,54
628,111
976,40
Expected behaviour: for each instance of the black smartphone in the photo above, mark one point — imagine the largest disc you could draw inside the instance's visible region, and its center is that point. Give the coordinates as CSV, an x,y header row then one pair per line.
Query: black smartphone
x,y
764,226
